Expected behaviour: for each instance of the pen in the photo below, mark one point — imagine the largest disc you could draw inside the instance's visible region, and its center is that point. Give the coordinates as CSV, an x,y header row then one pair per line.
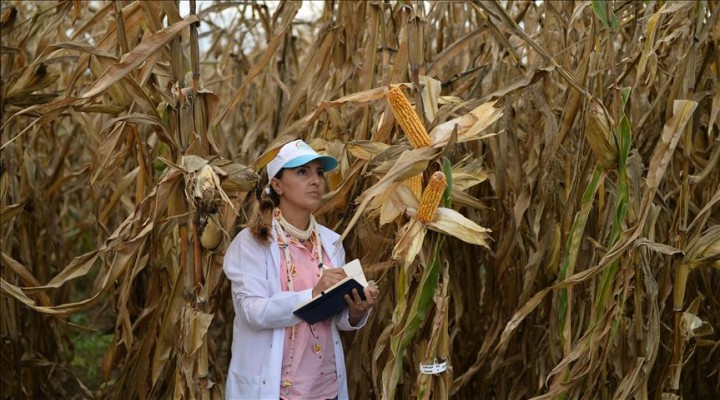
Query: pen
x,y
322,268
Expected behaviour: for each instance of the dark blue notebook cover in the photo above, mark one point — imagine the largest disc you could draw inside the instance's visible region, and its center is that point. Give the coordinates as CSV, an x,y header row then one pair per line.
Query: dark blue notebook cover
x,y
329,303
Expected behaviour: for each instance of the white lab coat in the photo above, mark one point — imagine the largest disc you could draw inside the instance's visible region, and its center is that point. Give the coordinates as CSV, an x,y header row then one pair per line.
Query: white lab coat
x,y
263,311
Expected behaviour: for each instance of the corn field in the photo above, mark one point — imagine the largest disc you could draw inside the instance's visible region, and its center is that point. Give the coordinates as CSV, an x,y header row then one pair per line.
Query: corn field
x,y
566,244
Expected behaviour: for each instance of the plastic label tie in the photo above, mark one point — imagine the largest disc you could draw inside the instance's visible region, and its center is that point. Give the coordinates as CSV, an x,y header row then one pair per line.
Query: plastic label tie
x,y
435,368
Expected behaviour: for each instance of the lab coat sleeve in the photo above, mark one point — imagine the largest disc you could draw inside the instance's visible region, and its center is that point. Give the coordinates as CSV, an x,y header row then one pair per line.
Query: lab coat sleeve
x,y
246,266
342,320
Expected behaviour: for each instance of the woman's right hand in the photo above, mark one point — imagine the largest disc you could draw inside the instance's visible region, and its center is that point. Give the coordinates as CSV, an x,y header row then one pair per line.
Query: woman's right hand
x,y
329,277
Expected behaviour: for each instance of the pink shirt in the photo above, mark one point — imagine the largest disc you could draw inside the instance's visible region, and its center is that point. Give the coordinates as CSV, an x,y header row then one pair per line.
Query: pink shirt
x,y
308,366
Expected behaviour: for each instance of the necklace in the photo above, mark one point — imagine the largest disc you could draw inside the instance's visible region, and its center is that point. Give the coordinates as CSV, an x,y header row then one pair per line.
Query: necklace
x,y
316,348
283,227
284,230
294,231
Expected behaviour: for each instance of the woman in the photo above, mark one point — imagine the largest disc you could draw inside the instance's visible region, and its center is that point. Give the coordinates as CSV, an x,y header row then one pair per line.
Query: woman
x,y
282,260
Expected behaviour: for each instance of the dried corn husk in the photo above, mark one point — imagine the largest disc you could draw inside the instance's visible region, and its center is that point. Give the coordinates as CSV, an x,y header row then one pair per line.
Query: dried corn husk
x,y
211,234
599,134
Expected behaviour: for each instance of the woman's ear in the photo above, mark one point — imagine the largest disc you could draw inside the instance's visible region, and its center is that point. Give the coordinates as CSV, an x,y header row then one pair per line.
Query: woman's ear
x,y
276,185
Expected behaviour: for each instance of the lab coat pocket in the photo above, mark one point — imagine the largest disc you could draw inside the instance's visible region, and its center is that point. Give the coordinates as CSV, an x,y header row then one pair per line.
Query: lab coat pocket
x,y
243,386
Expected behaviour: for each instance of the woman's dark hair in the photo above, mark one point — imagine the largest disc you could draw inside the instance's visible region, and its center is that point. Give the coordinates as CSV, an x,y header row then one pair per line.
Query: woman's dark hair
x,y
260,223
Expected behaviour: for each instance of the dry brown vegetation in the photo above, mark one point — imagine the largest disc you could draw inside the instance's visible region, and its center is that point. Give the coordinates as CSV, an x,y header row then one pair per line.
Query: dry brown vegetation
x,y
582,135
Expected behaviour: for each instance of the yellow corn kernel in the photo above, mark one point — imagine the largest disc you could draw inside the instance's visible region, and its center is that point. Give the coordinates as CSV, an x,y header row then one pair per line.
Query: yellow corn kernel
x,y
407,118
431,197
415,185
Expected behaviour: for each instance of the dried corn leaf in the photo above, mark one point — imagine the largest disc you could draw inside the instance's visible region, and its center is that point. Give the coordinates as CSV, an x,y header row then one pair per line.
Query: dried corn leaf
x,y
470,126
453,223
130,61
410,162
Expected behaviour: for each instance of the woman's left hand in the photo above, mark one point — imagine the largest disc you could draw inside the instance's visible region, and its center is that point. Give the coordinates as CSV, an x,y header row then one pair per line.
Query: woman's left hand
x,y
358,306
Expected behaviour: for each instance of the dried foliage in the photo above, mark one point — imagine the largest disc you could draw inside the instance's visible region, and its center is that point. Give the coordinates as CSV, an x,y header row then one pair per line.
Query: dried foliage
x,y
579,141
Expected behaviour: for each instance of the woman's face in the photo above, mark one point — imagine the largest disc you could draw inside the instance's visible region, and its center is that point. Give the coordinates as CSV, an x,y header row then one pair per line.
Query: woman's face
x,y
301,188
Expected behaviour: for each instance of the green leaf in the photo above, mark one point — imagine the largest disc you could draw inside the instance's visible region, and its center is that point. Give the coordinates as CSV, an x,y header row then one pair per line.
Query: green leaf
x,y
624,135
418,311
609,21
614,21
447,169
422,301
574,240
598,7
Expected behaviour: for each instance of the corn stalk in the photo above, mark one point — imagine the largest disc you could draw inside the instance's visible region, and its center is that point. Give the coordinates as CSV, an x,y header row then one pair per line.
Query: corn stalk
x,y
115,112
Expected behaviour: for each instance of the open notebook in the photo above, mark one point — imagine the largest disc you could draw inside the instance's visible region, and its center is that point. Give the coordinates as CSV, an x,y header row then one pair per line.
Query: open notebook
x,y
332,300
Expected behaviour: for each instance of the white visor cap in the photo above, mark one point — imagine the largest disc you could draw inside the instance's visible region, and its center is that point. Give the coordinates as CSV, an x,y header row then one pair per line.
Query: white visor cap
x,y
296,154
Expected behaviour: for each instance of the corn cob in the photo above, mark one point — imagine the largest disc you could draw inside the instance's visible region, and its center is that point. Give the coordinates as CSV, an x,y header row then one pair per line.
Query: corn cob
x,y
415,185
598,132
211,235
408,119
431,197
